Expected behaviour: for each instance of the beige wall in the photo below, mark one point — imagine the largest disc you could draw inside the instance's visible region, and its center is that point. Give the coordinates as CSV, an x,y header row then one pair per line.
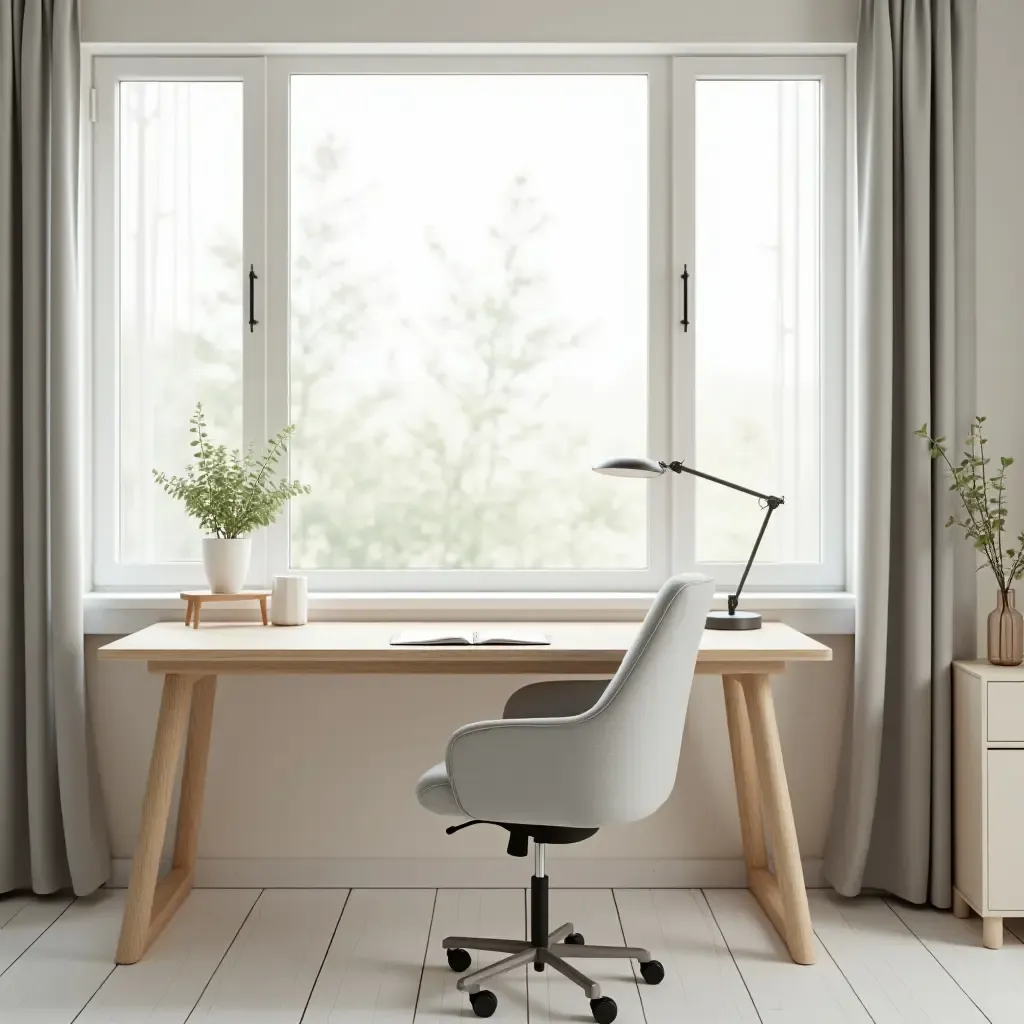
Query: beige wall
x,y
305,767
308,767
733,21
325,766
1000,131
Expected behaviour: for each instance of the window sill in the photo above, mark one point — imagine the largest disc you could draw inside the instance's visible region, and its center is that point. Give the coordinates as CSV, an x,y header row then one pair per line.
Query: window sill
x,y
121,612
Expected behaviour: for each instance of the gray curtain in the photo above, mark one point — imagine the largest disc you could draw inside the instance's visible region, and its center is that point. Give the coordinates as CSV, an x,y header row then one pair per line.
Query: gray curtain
x,y
52,829
891,824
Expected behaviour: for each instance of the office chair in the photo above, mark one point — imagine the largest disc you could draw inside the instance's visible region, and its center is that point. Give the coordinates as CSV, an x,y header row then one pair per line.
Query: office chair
x,y
567,757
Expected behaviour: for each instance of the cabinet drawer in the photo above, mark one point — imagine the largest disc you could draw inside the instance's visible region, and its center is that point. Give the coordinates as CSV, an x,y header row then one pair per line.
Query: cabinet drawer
x,y
1006,830
1006,711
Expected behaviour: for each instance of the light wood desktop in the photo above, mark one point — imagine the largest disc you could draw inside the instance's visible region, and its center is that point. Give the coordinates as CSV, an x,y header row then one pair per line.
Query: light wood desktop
x,y
190,661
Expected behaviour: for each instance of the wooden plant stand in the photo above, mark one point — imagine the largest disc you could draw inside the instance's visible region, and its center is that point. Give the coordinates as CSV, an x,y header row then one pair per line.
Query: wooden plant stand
x,y
195,599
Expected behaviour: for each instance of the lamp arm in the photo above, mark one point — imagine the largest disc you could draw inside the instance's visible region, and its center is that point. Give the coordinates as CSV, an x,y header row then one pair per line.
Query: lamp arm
x,y
679,467
772,501
734,599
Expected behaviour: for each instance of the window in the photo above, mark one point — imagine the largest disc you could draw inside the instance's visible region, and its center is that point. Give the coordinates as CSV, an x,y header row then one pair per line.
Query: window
x,y
466,295
444,284
765,365
178,216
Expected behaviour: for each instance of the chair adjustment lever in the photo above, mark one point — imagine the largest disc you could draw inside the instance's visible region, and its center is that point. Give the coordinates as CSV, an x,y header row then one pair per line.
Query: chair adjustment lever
x,y
452,829
518,835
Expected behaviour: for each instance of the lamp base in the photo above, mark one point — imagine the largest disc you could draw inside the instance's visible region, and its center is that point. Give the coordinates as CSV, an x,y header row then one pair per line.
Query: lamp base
x,y
738,620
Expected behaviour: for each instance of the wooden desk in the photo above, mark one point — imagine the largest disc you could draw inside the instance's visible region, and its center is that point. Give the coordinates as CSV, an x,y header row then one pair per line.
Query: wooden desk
x,y
190,661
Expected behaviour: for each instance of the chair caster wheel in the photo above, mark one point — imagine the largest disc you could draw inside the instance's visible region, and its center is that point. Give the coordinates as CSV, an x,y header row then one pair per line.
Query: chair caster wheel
x,y
652,972
459,960
484,1003
574,939
604,1010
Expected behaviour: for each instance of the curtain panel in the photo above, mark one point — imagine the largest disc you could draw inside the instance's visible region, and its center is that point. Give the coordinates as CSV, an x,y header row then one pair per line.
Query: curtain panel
x,y
52,828
916,606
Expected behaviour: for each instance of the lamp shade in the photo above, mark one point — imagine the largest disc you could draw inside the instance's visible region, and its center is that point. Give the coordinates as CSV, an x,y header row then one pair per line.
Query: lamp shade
x,y
629,467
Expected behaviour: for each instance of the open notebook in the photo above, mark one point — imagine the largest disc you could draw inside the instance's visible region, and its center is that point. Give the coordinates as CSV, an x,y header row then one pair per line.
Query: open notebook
x,y
469,638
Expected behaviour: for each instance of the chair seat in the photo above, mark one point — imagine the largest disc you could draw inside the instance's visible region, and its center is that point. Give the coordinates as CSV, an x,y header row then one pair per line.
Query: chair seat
x,y
434,792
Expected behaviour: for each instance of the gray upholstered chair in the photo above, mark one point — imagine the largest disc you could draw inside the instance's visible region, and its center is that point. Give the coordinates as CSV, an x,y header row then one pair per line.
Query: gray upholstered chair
x,y
568,757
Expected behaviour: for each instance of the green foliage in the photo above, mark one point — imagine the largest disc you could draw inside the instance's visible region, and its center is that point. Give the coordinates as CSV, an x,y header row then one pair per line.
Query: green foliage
x,y
470,403
982,494
229,493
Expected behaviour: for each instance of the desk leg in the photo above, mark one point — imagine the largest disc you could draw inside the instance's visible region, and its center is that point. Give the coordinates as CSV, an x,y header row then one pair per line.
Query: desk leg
x,y
748,785
761,789
193,774
149,903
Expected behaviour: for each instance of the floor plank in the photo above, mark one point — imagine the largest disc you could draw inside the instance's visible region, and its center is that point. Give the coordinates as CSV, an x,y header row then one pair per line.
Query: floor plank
x,y
23,920
497,913
556,999
783,992
896,978
372,971
702,982
166,984
993,979
58,974
272,965
12,905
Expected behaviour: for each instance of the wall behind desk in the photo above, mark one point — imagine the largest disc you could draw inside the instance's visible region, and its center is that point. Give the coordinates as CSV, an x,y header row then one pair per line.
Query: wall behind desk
x,y
324,768
1000,141
311,778
403,21
286,776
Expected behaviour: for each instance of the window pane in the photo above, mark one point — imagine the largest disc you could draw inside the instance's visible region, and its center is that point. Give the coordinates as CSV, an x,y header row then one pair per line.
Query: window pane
x,y
469,319
758,255
180,295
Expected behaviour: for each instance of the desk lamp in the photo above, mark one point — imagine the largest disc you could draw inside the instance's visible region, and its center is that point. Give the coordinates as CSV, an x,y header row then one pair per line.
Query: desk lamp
x,y
733,618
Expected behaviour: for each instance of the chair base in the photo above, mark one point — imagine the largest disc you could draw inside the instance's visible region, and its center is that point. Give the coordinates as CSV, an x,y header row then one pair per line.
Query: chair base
x,y
553,954
544,949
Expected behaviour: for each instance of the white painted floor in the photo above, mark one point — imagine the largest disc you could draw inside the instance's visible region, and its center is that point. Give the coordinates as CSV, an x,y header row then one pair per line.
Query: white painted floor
x,y
373,956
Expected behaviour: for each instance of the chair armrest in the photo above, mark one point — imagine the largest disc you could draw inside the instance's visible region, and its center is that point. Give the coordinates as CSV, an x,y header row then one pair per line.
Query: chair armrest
x,y
540,771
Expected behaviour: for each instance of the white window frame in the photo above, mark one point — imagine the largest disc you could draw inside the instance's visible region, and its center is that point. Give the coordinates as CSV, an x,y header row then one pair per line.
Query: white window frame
x,y
108,73
265,353
658,507
830,72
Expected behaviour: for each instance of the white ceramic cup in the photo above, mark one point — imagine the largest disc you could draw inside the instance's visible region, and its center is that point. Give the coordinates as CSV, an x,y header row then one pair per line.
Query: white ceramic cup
x,y
288,602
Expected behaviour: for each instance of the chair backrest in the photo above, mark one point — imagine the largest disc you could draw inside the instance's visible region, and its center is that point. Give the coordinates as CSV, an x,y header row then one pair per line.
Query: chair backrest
x,y
638,720
558,758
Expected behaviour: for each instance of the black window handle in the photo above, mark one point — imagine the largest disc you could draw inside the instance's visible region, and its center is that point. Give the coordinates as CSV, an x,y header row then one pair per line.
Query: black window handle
x,y
252,298
686,298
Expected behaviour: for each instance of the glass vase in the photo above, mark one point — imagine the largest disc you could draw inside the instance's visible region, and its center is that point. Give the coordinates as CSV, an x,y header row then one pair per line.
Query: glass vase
x,y
1005,631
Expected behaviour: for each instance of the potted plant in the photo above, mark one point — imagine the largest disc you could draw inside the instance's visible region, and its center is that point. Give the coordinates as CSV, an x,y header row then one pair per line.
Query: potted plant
x,y
231,495
982,495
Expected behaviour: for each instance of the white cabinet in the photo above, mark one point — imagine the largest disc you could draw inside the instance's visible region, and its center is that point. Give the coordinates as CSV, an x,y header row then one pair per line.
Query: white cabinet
x,y
1005,709
988,764
1006,831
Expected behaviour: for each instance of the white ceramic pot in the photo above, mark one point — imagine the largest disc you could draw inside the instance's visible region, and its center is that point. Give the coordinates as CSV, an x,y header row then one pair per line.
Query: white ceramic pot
x,y
226,563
